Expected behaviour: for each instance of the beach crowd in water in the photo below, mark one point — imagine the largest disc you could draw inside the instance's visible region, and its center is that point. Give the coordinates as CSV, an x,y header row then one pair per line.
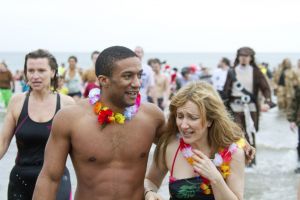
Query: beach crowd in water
x,y
106,117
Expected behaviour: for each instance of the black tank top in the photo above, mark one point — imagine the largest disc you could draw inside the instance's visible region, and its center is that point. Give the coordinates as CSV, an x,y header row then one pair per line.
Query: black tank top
x,y
31,137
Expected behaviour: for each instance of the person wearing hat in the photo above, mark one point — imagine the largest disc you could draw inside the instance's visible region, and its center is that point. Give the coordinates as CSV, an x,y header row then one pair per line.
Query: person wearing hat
x,y
243,83
285,81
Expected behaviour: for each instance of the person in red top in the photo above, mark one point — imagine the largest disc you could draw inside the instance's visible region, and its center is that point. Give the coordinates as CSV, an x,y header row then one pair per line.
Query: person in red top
x,y
6,84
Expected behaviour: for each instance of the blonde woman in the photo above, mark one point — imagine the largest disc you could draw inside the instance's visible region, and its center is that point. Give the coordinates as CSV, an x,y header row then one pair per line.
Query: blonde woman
x,y
202,149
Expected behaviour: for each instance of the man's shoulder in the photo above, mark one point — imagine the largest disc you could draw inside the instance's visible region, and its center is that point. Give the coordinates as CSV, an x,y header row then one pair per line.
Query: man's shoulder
x,y
152,110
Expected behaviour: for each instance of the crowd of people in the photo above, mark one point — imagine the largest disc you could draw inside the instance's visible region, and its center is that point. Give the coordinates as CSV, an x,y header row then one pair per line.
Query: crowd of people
x,y
108,116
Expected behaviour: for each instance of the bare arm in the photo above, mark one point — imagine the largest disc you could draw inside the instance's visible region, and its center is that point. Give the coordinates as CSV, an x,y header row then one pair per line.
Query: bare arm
x,y
161,123
9,124
56,153
167,90
233,188
154,177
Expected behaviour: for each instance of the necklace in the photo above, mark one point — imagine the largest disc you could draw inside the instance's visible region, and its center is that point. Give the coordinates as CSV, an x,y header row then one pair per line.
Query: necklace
x,y
222,160
106,115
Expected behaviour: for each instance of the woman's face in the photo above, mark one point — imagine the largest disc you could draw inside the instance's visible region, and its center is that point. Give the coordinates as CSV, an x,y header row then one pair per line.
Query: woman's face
x,y
189,123
72,63
39,73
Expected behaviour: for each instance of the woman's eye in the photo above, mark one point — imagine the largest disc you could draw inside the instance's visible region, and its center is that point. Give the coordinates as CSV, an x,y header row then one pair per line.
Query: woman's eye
x,y
179,116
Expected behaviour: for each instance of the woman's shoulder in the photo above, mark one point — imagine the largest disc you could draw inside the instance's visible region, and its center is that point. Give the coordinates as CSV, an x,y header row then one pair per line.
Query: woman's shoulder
x,y
66,100
172,146
16,103
17,100
237,149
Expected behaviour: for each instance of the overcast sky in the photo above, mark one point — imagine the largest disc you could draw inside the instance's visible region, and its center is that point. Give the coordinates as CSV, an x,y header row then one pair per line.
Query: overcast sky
x,y
157,25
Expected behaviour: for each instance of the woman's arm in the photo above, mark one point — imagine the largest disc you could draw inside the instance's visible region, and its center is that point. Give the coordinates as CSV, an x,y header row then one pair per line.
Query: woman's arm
x,y
9,124
154,178
233,188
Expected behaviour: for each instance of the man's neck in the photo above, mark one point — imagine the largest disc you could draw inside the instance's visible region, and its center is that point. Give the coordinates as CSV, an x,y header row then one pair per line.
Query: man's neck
x,y
243,66
106,102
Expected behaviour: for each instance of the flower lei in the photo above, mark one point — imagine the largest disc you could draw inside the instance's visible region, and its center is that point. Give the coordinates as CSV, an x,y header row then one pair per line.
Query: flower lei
x,y
106,115
221,160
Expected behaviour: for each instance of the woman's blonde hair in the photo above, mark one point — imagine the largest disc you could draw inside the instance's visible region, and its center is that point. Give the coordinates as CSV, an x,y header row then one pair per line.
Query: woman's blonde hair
x,y
222,132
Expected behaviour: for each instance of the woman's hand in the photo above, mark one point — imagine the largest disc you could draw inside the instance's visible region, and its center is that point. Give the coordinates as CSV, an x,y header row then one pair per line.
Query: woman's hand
x,y
150,195
205,167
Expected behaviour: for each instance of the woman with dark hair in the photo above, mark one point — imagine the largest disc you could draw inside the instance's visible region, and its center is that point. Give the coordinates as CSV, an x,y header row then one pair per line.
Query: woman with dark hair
x,y
73,79
29,119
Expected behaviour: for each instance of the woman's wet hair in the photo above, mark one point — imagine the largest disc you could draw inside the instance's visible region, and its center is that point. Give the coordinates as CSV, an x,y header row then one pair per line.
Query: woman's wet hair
x,y
42,53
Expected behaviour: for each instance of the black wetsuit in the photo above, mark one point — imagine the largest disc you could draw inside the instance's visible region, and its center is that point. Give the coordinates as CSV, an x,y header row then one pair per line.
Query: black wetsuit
x,y
31,138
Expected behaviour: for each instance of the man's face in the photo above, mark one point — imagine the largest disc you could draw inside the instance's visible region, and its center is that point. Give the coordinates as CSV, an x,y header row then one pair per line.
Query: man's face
x,y
94,58
139,52
156,67
244,60
125,82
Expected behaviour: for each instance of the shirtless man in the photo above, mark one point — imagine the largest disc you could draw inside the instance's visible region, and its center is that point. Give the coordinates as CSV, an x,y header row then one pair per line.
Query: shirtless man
x,y
110,162
161,88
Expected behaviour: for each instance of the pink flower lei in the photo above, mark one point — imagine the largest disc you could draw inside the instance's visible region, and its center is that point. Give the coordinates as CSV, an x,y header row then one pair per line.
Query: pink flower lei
x,y
222,160
129,113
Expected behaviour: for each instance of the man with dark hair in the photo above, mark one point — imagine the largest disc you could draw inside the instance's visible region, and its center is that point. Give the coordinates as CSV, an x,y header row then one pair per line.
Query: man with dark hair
x,y
219,76
109,157
242,85
89,77
161,88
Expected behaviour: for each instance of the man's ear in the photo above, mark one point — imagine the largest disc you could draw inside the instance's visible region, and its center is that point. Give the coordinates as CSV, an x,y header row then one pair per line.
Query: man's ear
x,y
103,81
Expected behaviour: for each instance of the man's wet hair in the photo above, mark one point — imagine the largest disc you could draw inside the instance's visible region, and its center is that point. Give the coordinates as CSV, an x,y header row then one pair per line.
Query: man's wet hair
x,y
94,52
226,61
73,57
106,60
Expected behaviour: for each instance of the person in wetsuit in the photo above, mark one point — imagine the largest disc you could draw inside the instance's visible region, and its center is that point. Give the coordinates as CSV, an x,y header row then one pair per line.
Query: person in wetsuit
x,y
29,119
202,149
